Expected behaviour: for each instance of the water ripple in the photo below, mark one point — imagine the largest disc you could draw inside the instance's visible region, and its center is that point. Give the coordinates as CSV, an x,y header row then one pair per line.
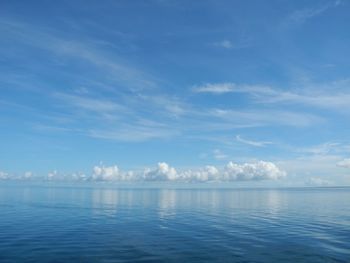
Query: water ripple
x,y
161,225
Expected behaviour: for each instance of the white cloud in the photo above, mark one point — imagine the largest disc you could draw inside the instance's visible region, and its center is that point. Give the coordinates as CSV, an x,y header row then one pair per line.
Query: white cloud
x,y
53,175
316,181
3,175
334,148
231,172
333,95
110,173
224,44
97,105
112,67
164,172
255,118
229,87
252,171
252,143
105,173
215,88
28,175
133,133
208,173
219,155
344,163
319,165
302,15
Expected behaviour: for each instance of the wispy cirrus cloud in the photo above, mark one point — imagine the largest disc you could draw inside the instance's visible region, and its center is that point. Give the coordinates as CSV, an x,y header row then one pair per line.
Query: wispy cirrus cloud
x,y
256,118
97,105
219,155
324,148
227,44
251,142
75,51
300,16
133,132
229,87
333,95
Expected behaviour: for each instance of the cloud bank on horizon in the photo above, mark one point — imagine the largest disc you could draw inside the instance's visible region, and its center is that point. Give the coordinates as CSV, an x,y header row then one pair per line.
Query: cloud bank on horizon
x,y
190,83
257,171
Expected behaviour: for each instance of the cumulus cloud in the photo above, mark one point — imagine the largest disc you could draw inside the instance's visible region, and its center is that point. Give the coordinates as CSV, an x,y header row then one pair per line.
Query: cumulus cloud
x,y
208,173
28,175
231,172
105,173
260,170
162,173
110,173
344,163
252,171
52,175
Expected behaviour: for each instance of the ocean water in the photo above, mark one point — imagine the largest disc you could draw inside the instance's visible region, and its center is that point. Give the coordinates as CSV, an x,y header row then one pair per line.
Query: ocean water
x,y
101,223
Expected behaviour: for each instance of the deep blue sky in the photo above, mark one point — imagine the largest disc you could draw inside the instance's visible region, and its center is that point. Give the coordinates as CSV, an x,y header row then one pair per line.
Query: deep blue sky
x,y
189,83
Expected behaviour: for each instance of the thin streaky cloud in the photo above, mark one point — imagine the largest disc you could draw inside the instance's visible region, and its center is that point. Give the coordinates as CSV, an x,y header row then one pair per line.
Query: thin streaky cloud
x,y
219,155
54,41
334,95
227,44
251,142
229,87
344,163
298,17
113,84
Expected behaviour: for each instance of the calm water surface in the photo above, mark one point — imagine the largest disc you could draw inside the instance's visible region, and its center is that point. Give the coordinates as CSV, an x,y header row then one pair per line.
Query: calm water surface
x,y
94,223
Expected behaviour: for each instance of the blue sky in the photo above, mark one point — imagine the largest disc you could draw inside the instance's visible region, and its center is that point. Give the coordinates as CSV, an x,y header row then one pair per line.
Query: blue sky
x,y
186,84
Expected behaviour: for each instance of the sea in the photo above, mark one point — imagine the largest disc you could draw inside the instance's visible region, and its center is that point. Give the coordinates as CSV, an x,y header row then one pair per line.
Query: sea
x,y
101,222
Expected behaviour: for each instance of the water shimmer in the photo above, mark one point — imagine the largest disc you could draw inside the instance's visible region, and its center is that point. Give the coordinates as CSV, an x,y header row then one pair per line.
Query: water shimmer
x,y
105,224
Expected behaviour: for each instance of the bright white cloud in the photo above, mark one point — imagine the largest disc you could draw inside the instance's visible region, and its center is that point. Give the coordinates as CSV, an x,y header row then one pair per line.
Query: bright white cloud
x,y
164,172
52,175
252,171
232,172
208,173
111,173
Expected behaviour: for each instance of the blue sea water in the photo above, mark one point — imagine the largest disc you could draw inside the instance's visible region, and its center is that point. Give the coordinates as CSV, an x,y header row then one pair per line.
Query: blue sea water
x,y
105,223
